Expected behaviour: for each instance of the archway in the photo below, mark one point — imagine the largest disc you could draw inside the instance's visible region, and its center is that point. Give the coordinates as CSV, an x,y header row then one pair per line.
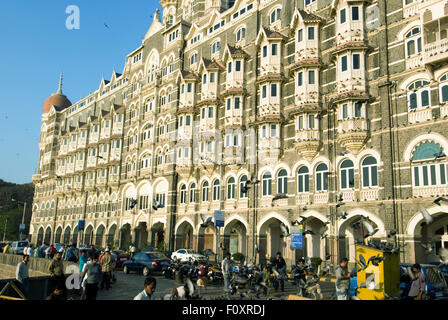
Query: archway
x,y
207,239
125,238
271,239
235,239
40,236
88,235
57,238
66,239
110,241
47,237
314,245
99,236
184,236
75,236
141,235
158,235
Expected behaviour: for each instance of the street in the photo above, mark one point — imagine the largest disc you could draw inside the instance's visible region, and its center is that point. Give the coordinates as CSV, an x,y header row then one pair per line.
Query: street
x,y
129,285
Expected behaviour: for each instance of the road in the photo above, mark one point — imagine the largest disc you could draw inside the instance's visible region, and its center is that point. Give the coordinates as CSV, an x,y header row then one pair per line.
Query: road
x,y
129,285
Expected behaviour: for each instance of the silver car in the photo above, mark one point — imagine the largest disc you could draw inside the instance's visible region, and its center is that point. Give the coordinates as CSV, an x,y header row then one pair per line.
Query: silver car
x,y
17,247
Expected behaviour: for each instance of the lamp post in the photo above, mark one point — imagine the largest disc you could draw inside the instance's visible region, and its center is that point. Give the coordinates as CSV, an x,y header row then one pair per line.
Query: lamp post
x,y
23,214
4,230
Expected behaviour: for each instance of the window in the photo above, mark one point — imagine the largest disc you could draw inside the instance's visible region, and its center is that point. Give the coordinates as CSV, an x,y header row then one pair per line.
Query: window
x,y
265,51
419,95
274,49
444,88
345,111
229,104
311,78
183,194
216,190
264,131
356,61
189,87
355,13
310,33
342,15
429,174
308,2
310,121
344,66
229,67
282,182
275,15
231,189
237,103
322,177
204,79
241,34
193,193
216,47
212,77
369,172
300,35
274,90
210,112
205,190
194,58
300,123
303,180
358,109
243,181
413,42
273,131
347,175
238,65
264,92
267,184
300,79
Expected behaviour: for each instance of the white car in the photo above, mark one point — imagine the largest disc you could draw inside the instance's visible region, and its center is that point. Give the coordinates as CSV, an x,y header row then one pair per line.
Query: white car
x,y
187,255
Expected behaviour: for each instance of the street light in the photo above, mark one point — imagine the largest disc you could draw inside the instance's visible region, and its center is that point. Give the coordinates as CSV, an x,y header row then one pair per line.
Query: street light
x,y
4,230
23,214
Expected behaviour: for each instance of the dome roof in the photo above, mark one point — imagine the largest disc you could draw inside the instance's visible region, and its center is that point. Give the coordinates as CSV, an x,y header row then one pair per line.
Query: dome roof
x,y
57,100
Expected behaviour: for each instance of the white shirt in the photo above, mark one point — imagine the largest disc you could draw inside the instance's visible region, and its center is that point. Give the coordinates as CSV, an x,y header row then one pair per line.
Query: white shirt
x,y
142,296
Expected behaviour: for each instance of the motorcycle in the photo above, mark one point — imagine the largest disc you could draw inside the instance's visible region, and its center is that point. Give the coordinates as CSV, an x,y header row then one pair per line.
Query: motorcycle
x,y
307,287
170,271
214,275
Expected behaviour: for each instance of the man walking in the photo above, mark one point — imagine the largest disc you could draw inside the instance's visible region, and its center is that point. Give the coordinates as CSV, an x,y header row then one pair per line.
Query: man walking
x,y
280,266
106,267
94,277
418,285
56,270
150,287
225,266
22,275
343,280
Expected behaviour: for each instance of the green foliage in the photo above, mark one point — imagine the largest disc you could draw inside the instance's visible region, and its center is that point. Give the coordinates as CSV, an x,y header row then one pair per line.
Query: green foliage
x,y
161,246
238,257
316,261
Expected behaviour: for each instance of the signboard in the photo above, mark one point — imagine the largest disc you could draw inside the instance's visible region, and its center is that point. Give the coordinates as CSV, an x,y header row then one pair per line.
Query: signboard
x,y
81,225
296,240
219,218
22,228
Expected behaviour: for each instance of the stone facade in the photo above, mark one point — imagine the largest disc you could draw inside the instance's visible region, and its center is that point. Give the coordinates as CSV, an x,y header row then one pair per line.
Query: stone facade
x,y
314,99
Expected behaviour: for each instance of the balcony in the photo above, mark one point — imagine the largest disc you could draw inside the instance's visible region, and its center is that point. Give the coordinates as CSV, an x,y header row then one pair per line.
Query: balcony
x,y
303,199
266,202
430,192
350,31
369,195
352,134
411,9
421,115
348,195
307,143
321,197
436,52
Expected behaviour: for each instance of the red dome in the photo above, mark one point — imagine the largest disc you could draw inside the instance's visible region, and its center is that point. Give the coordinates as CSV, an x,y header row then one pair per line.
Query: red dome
x,y
57,100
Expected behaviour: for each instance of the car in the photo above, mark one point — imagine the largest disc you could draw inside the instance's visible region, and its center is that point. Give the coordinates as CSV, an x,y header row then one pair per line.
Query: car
x,y
120,257
149,249
436,286
188,255
208,253
146,263
18,246
443,267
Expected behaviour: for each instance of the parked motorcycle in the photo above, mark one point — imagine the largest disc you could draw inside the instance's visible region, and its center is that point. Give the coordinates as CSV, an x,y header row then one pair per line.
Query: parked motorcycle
x,y
214,275
170,271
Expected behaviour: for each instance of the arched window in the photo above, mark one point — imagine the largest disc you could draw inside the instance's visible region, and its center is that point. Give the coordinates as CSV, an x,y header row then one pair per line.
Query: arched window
x,y
303,180
243,181
231,189
282,182
216,47
347,173
194,58
216,190
193,193
267,184
183,194
413,42
147,132
443,88
205,190
322,177
433,173
146,162
241,34
369,172
275,15
418,95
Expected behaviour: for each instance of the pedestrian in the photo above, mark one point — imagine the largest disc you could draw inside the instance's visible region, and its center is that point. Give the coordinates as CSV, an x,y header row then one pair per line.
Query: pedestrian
x,y
30,251
37,252
106,267
47,252
56,270
225,266
343,280
280,266
300,277
6,248
150,286
181,293
82,260
94,277
22,275
52,251
418,284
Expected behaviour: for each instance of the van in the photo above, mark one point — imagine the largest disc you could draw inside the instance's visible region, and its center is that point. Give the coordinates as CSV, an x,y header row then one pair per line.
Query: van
x,y
18,246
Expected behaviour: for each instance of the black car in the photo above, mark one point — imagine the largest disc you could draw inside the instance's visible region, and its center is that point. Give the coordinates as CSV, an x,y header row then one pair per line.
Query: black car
x,y
146,262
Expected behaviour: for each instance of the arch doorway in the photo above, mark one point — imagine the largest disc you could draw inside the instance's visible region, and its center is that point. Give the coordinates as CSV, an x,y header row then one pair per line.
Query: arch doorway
x,y
158,235
40,236
235,239
125,238
184,236
57,238
88,235
271,240
66,239
99,236
207,239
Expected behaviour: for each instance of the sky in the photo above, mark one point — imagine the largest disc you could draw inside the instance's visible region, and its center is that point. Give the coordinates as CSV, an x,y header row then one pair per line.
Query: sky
x,y
36,46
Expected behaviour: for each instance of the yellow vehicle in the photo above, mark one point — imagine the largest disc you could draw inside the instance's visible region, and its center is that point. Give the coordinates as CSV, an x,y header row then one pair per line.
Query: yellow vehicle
x,y
378,273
